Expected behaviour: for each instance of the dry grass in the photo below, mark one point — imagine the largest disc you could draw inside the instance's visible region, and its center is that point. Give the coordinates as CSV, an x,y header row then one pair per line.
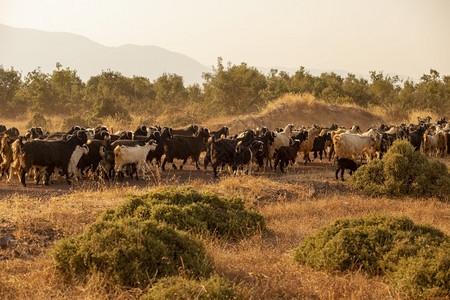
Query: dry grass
x,y
298,109
260,266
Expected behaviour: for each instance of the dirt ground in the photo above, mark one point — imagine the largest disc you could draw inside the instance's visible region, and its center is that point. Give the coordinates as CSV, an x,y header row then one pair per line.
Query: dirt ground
x,y
168,177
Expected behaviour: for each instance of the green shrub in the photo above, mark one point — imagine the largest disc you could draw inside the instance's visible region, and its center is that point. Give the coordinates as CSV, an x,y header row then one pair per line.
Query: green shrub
x,y
130,252
425,275
187,209
414,258
181,288
403,171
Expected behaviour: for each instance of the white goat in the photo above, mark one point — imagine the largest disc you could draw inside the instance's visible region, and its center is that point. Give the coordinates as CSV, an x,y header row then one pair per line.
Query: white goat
x,y
281,139
75,158
137,155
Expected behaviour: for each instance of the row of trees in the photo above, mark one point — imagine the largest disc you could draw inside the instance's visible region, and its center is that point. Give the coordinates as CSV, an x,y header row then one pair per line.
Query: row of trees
x,y
230,89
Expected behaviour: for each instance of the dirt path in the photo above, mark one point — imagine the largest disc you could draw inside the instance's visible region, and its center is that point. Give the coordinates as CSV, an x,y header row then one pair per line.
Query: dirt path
x,y
168,177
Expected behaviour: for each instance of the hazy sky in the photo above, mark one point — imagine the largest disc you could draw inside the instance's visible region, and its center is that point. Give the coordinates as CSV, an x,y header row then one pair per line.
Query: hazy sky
x,y
405,37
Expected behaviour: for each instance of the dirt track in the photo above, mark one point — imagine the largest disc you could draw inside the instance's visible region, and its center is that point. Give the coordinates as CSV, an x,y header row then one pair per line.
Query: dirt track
x,y
168,177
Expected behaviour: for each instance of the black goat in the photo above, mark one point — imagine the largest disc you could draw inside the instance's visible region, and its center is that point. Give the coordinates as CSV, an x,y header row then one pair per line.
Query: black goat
x,y
320,144
161,140
286,154
48,155
189,131
183,147
91,160
346,163
244,156
222,132
141,130
416,137
221,153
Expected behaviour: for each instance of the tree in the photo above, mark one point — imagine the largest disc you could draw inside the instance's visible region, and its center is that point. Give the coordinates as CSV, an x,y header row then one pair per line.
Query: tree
x,y
432,92
277,85
68,88
356,90
10,84
39,94
144,94
110,94
384,89
301,82
170,92
235,89
329,87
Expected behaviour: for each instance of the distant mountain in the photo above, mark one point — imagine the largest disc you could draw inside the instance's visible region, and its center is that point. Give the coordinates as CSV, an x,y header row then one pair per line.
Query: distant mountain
x,y
27,49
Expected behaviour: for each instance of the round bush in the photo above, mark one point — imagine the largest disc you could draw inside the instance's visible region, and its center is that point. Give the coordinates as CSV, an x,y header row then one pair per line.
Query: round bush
x,y
381,245
403,171
181,288
130,251
187,209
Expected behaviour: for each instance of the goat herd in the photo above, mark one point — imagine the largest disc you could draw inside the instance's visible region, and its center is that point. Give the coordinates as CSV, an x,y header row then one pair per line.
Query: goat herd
x,y
83,151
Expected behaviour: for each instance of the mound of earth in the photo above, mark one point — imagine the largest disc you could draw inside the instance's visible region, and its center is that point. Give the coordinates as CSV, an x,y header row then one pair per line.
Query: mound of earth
x,y
301,110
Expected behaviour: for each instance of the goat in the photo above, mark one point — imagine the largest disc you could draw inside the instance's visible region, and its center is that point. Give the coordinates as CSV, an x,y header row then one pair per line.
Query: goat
x,y
75,158
222,132
286,154
191,130
183,147
48,154
5,155
307,145
281,139
137,155
346,163
244,156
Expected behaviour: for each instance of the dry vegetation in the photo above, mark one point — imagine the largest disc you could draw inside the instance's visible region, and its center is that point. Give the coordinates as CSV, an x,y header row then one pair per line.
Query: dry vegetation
x,y
294,206
260,266
300,110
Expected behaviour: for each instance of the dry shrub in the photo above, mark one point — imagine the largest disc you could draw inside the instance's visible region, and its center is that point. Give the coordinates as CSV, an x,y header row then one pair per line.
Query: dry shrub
x,y
180,288
75,120
403,171
38,120
131,252
414,258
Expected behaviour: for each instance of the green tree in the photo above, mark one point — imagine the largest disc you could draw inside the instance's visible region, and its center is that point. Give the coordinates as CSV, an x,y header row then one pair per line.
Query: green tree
x,y
235,89
10,84
68,88
329,87
277,85
356,90
384,89
169,92
302,82
144,94
110,94
433,93
39,94
408,95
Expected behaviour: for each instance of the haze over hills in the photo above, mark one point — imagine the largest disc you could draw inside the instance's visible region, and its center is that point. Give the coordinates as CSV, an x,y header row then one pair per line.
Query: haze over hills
x,y
27,49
